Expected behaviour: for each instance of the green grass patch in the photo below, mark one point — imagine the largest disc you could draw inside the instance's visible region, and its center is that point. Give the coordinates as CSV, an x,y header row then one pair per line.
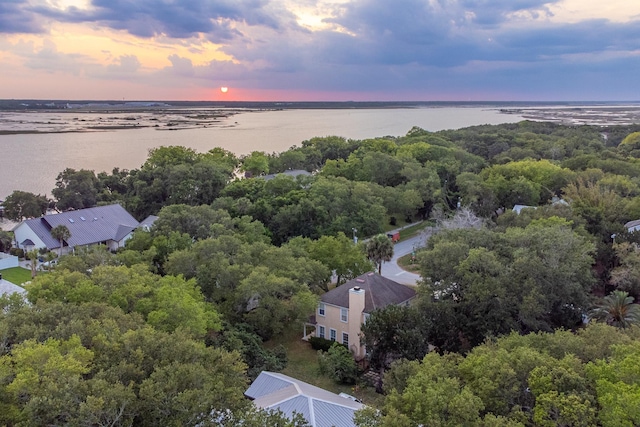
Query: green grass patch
x,y
303,365
407,263
16,275
414,230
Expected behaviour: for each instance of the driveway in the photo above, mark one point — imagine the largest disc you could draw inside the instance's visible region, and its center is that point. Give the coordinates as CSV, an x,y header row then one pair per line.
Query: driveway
x,y
391,270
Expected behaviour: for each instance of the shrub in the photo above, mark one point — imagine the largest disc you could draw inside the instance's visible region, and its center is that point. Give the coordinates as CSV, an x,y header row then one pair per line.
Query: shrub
x,y
318,343
17,252
393,220
338,363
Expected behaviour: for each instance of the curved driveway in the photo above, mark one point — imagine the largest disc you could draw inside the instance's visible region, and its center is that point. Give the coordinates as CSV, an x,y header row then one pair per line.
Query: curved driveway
x,y
391,270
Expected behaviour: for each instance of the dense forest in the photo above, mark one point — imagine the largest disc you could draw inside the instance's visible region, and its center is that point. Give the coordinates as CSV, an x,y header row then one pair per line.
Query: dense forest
x,y
522,318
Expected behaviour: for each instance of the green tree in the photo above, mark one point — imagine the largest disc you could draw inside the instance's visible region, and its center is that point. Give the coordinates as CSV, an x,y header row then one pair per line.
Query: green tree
x,y
240,338
271,303
76,189
60,233
255,163
433,397
394,333
6,240
617,309
46,378
22,204
341,255
379,249
631,144
617,386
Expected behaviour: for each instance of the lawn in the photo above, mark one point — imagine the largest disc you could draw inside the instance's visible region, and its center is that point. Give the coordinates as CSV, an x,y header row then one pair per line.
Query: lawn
x,y
16,275
303,365
407,263
414,230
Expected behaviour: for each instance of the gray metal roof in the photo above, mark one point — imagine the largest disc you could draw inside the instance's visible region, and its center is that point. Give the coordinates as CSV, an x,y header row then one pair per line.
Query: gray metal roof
x,y
320,407
379,292
9,288
87,226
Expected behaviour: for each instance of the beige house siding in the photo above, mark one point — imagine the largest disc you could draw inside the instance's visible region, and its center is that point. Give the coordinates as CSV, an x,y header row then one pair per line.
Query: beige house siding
x,y
332,319
362,295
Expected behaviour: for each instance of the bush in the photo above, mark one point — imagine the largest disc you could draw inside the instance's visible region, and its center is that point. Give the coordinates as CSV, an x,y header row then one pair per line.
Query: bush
x,y
393,220
16,252
338,363
318,343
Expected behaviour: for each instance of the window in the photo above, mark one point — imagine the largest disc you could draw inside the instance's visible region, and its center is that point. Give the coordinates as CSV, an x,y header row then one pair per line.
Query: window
x,y
321,309
321,331
332,334
344,314
345,339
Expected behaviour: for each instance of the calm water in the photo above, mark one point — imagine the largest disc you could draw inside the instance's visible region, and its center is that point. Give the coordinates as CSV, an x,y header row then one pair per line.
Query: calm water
x,y
32,162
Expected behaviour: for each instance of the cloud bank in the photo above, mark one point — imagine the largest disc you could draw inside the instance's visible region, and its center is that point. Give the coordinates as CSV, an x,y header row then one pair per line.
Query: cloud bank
x,y
376,49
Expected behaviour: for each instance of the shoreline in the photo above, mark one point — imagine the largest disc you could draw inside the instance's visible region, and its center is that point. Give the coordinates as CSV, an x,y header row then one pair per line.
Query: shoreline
x,y
91,119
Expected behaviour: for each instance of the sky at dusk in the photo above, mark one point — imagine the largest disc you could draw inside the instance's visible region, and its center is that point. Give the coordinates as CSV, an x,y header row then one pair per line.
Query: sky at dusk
x,y
321,50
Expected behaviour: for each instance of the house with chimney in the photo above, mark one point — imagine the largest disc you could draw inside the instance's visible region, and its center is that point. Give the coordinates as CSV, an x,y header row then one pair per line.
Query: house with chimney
x,y
342,311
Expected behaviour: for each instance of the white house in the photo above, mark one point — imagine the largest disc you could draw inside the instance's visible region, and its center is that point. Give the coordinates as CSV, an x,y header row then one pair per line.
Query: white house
x,y
109,225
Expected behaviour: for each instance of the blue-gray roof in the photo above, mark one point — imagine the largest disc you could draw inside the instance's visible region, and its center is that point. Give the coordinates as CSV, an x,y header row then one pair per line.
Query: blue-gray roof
x,y
320,407
148,222
87,226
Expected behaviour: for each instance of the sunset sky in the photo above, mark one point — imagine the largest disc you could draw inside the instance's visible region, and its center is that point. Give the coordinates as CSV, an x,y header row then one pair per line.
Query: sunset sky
x,y
320,50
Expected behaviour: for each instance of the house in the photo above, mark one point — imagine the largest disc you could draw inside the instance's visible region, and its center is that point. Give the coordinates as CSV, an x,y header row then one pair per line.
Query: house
x,y
110,225
293,173
319,407
518,208
632,226
148,222
342,311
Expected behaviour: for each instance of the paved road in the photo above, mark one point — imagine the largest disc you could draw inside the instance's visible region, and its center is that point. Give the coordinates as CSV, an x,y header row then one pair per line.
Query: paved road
x,y
392,271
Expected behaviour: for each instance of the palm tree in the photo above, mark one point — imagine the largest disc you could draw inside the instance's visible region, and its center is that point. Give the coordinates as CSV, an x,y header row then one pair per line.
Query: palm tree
x,y
61,233
33,262
379,249
618,310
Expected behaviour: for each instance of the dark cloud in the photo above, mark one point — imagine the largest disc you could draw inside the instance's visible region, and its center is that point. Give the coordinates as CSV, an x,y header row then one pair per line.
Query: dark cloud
x,y
16,17
175,19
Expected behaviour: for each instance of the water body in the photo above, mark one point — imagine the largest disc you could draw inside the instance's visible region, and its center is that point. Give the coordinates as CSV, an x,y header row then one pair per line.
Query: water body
x,y
31,162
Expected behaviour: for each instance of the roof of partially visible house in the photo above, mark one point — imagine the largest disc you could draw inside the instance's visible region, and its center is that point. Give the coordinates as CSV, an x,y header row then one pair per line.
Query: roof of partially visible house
x,y
87,226
320,407
518,208
292,173
379,292
9,288
632,224
148,222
